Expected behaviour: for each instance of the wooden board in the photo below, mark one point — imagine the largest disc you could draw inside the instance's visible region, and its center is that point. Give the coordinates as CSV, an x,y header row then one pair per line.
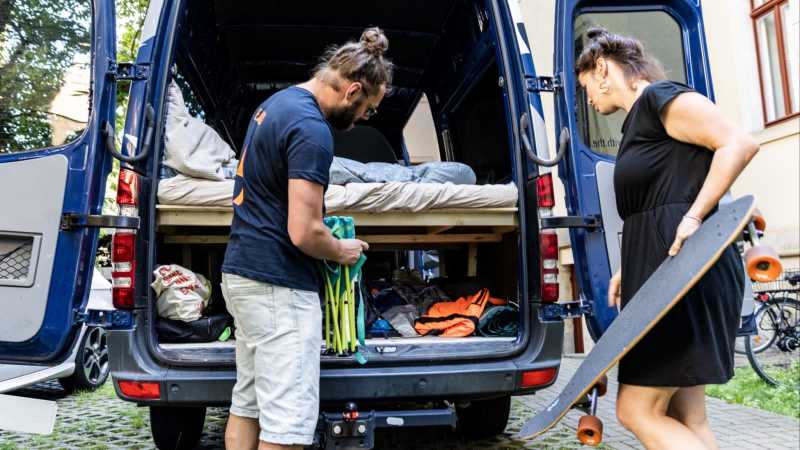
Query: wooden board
x,y
212,216
464,238
665,288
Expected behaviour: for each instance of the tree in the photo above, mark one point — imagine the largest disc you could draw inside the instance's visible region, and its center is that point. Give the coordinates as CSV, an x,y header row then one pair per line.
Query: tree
x,y
39,41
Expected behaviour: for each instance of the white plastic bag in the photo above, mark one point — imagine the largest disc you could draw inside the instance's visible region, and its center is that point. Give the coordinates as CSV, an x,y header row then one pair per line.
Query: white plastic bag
x,y
182,294
192,147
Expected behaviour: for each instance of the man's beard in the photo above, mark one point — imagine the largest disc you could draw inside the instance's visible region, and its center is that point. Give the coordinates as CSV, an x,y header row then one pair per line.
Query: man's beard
x,y
343,119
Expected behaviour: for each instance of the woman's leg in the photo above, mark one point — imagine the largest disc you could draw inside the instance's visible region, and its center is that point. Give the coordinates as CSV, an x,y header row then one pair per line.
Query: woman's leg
x,y
643,411
688,406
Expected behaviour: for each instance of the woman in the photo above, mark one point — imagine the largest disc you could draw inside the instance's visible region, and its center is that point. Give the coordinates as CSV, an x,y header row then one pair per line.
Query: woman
x,y
677,157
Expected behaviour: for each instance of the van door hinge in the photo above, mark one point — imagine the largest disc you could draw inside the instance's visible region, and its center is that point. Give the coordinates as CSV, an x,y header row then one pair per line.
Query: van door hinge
x,y
80,316
588,222
127,71
70,221
557,312
543,84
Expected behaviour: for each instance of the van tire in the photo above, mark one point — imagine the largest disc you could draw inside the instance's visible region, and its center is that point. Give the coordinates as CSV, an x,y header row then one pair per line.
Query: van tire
x,y
93,352
177,428
484,418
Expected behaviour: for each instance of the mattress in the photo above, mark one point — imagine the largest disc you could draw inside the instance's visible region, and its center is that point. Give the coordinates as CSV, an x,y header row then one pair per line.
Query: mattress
x,y
367,197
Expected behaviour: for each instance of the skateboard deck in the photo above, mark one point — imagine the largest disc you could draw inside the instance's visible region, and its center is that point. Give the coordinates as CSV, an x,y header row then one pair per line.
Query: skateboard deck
x,y
665,287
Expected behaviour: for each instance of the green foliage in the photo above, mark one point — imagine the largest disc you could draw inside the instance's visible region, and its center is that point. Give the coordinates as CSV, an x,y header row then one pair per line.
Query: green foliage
x,y
746,388
39,41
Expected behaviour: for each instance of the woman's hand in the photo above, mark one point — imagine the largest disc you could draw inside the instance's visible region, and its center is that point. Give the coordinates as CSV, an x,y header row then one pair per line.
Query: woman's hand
x,y
615,290
686,228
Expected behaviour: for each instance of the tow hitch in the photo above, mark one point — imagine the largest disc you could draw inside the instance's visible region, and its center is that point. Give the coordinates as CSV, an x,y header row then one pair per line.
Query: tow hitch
x,y
348,429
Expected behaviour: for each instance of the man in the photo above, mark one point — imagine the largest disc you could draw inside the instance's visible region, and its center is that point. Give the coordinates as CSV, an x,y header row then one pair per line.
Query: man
x,y
271,274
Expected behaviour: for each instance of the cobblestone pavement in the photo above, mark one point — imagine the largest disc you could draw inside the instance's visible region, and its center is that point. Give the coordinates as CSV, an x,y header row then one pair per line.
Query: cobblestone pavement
x,y
101,421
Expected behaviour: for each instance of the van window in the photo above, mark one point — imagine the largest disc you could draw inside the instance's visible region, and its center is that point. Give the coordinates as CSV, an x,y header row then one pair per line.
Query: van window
x,y
45,73
661,36
420,134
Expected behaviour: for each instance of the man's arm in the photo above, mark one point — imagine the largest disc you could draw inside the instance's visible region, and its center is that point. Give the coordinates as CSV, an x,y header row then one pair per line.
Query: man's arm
x,y
309,233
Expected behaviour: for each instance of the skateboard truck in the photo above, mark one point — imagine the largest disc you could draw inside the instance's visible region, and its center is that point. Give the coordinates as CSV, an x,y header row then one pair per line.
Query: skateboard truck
x,y
590,427
763,263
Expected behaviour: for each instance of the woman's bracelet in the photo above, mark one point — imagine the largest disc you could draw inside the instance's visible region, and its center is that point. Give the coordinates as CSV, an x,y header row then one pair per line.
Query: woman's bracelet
x,y
699,220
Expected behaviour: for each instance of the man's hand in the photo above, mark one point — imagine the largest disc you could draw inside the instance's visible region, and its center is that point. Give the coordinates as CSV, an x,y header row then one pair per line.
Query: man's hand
x,y
350,250
615,290
686,228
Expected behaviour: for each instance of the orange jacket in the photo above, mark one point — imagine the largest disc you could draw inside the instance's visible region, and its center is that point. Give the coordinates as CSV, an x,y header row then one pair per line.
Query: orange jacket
x,y
458,318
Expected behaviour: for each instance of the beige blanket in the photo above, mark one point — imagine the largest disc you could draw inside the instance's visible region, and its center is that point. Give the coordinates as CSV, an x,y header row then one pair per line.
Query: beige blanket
x,y
368,197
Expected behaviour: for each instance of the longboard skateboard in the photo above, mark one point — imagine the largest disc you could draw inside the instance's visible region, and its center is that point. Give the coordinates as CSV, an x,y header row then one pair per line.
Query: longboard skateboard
x,y
665,287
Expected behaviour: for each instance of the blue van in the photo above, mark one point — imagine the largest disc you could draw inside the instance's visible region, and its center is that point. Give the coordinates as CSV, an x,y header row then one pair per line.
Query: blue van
x,y
472,61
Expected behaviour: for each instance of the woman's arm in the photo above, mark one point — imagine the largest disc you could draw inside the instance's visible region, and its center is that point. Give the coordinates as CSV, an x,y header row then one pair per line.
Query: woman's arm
x,y
694,119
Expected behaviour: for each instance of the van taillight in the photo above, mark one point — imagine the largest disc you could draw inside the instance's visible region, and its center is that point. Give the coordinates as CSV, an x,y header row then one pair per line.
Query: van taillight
x,y
538,377
140,389
544,191
123,263
548,240
548,257
123,244
127,189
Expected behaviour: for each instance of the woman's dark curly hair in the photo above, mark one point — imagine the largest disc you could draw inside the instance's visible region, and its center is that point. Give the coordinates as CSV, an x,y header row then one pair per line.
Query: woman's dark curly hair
x,y
627,52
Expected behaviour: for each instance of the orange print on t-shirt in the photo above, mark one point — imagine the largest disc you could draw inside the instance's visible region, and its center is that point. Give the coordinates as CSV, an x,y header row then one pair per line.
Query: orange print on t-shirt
x,y
260,117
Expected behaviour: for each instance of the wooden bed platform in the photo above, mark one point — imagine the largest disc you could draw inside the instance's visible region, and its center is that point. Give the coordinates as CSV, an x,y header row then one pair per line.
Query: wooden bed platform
x,y
187,225
443,226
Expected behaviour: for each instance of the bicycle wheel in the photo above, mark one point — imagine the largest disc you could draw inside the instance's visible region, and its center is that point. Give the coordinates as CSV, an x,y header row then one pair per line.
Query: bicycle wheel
x,y
766,332
778,363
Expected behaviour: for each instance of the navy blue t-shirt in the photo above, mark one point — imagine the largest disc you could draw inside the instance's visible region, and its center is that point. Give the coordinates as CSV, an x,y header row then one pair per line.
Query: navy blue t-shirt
x,y
288,137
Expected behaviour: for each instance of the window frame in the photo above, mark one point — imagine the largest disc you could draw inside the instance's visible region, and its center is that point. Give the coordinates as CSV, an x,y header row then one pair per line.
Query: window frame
x,y
773,6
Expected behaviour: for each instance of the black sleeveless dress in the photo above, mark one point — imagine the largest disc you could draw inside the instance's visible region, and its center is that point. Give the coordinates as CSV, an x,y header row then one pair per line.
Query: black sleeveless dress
x,y
656,179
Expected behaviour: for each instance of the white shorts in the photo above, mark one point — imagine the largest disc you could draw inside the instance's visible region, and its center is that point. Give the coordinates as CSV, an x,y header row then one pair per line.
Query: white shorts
x,y
278,343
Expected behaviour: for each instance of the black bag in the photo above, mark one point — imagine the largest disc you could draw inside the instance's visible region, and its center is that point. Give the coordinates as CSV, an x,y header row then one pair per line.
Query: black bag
x,y
204,329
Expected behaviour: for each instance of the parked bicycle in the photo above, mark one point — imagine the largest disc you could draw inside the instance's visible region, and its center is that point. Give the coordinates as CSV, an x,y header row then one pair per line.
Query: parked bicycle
x,y
774,351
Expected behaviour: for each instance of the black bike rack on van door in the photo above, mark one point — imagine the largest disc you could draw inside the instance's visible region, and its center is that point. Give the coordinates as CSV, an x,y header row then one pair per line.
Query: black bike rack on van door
x,y
542,84
108,134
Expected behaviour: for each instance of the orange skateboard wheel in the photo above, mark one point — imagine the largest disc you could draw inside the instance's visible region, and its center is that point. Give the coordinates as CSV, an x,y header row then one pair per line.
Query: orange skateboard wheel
x,y
763,263
759,221
602,385
590,430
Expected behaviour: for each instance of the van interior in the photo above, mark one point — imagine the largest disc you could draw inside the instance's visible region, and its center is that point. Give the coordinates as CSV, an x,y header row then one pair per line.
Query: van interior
x,y
231,56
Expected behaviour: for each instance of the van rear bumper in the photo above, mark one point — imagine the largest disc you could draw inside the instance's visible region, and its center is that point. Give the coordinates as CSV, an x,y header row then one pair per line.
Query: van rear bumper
x,y
209,386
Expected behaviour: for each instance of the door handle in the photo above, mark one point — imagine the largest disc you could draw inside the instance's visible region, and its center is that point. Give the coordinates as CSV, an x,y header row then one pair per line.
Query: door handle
x,y
563,143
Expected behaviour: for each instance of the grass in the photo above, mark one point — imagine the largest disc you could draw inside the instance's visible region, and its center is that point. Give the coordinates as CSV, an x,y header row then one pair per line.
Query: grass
x,y
746,388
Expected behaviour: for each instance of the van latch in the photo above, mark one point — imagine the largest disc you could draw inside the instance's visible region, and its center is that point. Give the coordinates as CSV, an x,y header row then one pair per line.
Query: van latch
x,y
71,221
543,84
127,71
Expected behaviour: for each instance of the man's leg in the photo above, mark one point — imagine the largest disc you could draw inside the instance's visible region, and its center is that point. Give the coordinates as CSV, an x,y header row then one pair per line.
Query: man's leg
x,y
287,371
643,411
267,446
241,433
688,406
242,430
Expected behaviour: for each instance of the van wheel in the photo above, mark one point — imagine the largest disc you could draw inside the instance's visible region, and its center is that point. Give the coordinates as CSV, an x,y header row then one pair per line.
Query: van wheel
x,y
484,418
176,428
91,362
